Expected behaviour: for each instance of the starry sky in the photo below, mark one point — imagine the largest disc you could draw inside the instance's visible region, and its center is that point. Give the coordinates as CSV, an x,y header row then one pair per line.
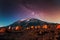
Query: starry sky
x,y
13,10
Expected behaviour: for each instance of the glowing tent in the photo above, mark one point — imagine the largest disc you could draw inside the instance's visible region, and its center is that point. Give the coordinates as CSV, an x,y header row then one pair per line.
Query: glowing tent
x,y
2,30
27,28
58,27
18,28
32,27
45,26
39,26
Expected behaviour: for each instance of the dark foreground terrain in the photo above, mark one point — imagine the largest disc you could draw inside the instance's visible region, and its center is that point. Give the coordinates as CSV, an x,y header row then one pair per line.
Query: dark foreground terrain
x,y
32,34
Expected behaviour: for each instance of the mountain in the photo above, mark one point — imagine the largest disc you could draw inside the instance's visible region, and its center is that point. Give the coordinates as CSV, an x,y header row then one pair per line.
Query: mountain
x,y
18,33
29,22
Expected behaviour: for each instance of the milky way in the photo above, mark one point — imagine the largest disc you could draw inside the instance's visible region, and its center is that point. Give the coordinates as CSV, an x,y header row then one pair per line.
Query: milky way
x,y
13,10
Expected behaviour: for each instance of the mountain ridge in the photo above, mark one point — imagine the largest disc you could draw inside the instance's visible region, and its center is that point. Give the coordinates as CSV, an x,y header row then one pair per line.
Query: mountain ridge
x,y
29,22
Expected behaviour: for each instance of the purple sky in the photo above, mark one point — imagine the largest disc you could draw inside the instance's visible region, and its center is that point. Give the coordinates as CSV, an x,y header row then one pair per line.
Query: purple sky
x,y
13,10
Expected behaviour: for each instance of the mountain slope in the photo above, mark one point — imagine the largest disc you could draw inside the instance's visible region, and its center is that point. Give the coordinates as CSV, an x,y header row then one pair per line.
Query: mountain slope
x,y
29,22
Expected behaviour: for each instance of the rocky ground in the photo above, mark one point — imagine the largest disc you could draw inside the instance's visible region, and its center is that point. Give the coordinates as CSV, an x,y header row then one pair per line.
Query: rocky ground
x,y
33,34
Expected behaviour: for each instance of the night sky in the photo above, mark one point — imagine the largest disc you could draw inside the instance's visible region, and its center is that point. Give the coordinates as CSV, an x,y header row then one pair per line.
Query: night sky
x,y
13,10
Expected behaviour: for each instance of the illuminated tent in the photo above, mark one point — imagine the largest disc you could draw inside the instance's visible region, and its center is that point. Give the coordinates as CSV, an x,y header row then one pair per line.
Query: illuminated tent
x,y
58,26
45,26
39,26
27,28
32,27
2,30
18,28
